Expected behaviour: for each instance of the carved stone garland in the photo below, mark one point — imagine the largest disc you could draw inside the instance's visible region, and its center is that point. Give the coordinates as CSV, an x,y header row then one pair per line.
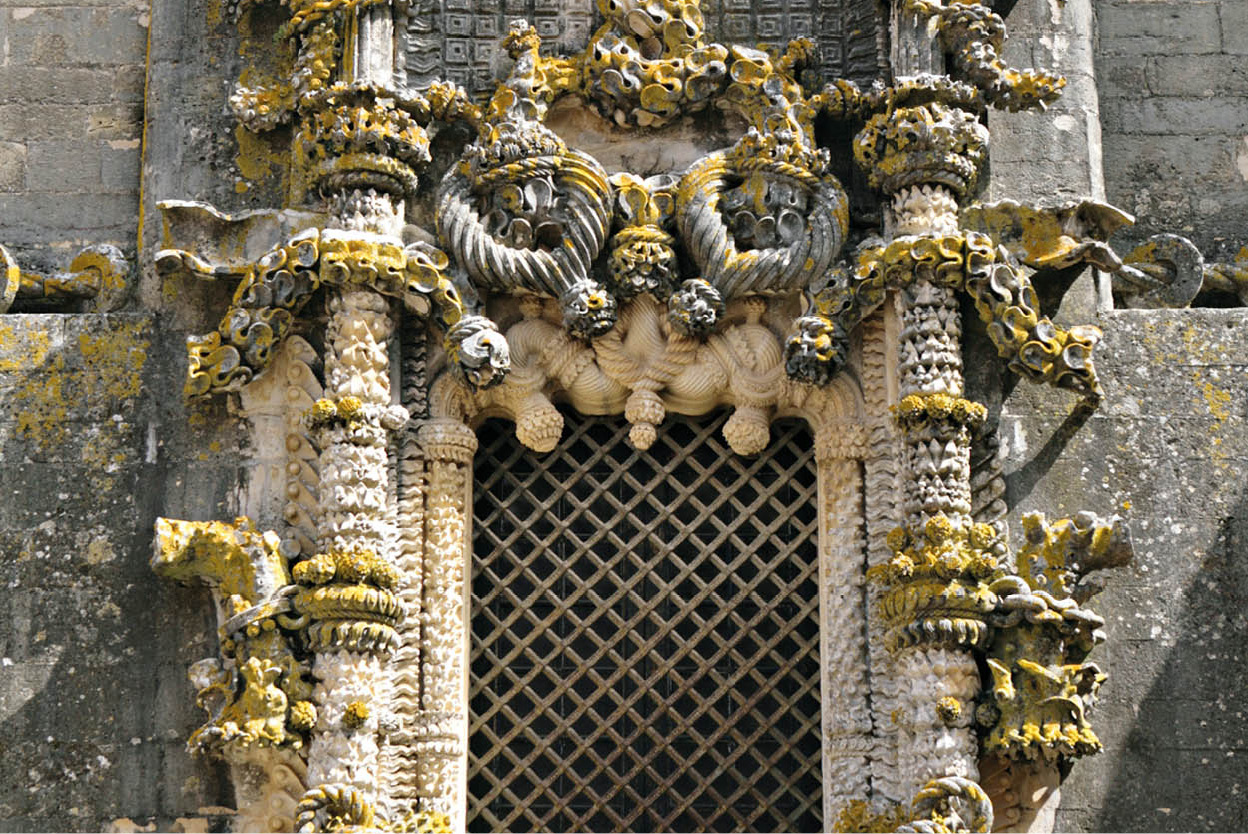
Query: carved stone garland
x,y
356,657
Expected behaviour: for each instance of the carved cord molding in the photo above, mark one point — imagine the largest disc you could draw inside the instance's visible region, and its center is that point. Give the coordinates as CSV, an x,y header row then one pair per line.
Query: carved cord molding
x,y
342,644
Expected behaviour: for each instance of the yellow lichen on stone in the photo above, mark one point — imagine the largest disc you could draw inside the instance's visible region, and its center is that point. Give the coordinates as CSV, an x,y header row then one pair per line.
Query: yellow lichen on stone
x,y
24,354
859,816
355,715
113,361
256,161
949,710
1216,400
45,408
303,716
236,558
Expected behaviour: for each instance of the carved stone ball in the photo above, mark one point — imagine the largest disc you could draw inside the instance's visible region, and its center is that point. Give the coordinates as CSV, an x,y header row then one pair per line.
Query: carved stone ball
x,y
303,716
588,309
539,425
695,308
748,430
643,435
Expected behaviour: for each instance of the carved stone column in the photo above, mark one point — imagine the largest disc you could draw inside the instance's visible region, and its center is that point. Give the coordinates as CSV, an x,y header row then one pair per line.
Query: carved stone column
x,y
399,759
848,742
351,689
438,735
926,157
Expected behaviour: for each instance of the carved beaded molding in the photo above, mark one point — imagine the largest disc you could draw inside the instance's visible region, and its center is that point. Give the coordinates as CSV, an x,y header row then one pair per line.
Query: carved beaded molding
x,y
339,696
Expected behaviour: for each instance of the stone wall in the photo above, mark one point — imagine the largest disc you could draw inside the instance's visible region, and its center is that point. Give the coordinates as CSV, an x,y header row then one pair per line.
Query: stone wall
x,y
1173,80
71,125
1167,448
95,707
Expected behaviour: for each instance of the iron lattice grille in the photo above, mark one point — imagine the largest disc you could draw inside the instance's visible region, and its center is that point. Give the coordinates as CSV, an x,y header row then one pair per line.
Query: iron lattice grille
x,y
645,634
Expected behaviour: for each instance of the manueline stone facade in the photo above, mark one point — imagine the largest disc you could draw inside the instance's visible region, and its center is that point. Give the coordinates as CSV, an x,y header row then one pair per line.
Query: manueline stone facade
x,y
107,109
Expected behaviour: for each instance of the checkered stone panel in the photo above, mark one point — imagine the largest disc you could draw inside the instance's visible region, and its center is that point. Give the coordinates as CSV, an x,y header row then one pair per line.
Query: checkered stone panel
x,y
645,634
459,39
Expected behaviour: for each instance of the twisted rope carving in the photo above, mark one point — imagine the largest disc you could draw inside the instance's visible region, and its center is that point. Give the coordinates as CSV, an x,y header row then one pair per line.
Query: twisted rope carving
x,y
734,272
333,808
550,272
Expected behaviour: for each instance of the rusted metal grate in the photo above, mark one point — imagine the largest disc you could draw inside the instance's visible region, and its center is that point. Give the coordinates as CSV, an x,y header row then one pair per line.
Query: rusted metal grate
x,y
645,634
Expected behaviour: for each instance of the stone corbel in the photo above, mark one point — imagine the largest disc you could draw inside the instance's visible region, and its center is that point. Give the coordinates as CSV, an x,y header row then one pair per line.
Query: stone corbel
x,y
257,693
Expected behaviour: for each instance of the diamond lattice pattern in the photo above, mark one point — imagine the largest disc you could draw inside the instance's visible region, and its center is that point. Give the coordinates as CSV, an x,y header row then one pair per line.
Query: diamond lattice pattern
x,y
645,634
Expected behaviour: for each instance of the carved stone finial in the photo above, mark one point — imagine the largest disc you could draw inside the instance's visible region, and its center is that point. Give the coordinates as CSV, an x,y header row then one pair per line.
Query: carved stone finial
x,y
923,143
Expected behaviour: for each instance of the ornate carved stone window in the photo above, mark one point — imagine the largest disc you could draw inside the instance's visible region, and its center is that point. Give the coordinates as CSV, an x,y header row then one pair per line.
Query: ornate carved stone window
x,y
645,632
649,593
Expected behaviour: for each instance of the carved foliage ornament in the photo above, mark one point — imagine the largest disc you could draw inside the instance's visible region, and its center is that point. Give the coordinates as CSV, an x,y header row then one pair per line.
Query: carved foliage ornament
x,y
273,291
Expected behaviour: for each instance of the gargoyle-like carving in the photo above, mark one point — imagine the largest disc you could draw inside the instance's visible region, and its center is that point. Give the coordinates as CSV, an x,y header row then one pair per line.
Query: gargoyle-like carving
x,y
1042,686
1051,237
258,694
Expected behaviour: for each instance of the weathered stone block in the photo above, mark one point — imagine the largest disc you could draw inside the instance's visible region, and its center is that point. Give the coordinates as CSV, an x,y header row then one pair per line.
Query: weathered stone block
x,y
68,35
28,122
1202,76
61,166
37,218
115,121
128,83
119,165
1234,27
1160,27
1167,116
12,166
